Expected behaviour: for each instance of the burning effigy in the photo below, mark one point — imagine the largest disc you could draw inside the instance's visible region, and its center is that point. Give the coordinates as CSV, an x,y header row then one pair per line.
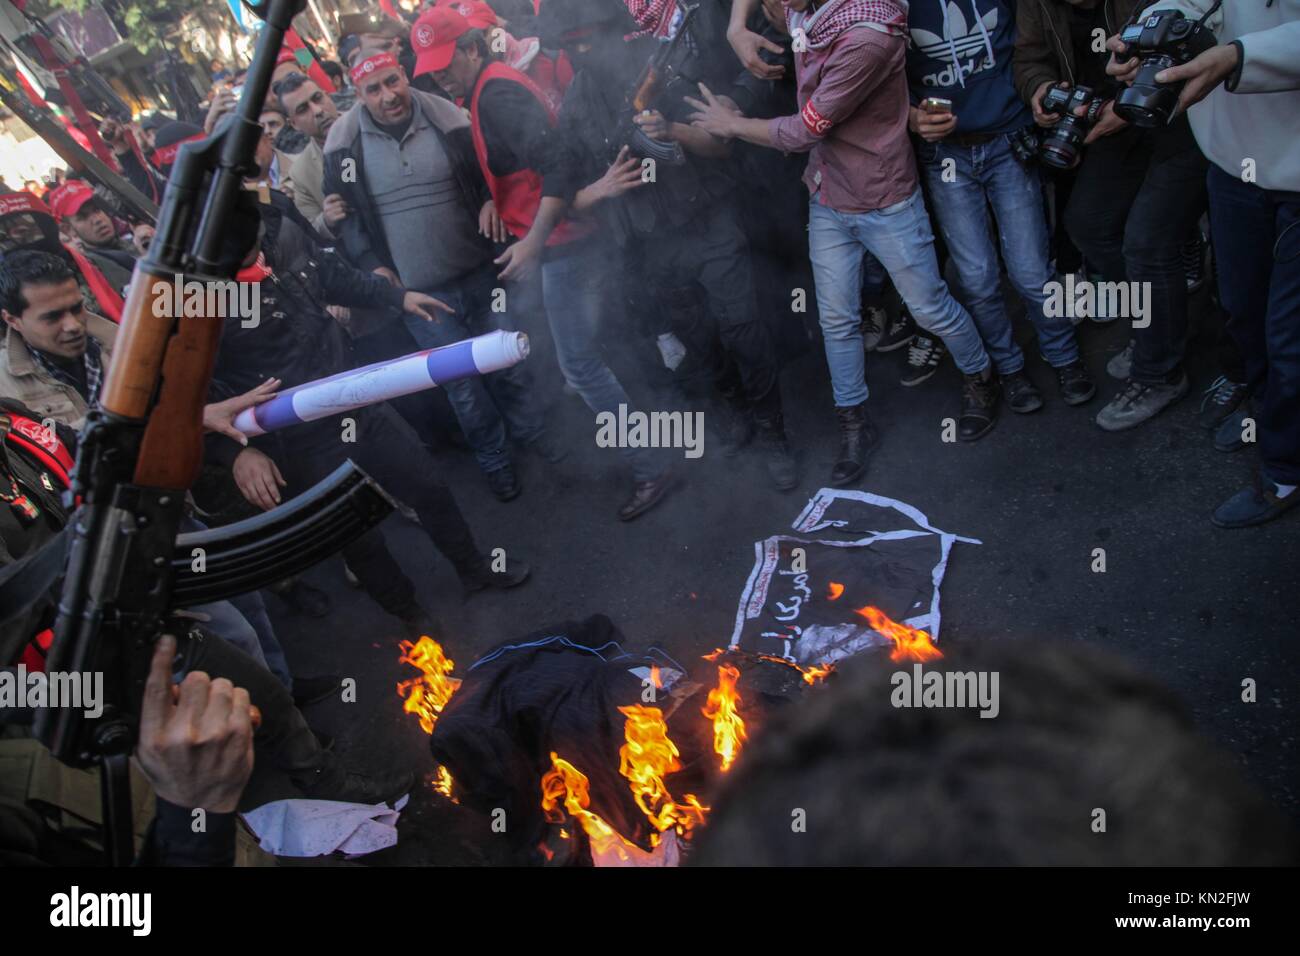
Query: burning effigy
x,y
599,755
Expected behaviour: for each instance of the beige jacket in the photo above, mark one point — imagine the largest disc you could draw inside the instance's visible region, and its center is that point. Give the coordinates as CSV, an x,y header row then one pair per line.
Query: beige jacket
x,y
22,379
308,175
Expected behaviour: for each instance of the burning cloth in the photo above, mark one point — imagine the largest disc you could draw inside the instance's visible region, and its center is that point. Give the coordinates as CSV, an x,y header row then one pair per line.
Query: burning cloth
x,y
854,550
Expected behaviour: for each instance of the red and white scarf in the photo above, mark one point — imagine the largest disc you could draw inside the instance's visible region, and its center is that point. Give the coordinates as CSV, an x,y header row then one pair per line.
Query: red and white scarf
x,y
654,17
823,26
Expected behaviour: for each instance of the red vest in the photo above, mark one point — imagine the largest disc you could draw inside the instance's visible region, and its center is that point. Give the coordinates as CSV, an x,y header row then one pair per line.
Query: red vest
x,y
518,195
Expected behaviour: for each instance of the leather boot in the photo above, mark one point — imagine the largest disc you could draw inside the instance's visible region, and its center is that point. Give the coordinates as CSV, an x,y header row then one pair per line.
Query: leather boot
x,y
781,466
857,439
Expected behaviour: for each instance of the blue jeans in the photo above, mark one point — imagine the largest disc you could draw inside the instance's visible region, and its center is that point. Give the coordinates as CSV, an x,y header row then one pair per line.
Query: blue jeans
x,y
571,285
984,175
899,237
486,404
1257,243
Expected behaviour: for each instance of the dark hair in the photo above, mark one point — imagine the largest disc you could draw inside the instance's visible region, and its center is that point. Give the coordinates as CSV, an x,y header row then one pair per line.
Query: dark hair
x,y
1076,730
332,68
29,267
288,84
475,39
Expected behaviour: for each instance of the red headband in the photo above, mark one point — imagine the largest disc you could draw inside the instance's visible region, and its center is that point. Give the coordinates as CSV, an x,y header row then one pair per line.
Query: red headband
x,y
166,155
372,64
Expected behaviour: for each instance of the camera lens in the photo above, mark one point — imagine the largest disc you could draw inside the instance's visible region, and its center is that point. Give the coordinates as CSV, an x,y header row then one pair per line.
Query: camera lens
x,y
1147,103
1060,147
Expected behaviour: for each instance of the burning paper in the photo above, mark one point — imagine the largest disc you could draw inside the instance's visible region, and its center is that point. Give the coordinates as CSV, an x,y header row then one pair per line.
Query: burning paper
x,y
382,381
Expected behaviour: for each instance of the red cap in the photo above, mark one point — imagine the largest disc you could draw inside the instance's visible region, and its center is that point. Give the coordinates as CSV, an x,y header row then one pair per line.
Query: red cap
x,y
434,38
68,199
285,56
371,65
478,13
22,201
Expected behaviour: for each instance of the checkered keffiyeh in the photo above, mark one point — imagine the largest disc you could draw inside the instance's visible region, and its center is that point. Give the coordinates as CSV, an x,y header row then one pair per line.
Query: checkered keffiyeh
x,y
823,27
654,17
94,370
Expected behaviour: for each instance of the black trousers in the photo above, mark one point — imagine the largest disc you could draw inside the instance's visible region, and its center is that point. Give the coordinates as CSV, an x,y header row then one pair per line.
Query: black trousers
x,y
1135,200
709,258
386,448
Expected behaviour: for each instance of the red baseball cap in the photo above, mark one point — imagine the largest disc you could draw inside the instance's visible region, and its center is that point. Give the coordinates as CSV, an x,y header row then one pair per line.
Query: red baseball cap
x,y
67,200
434,38
478,13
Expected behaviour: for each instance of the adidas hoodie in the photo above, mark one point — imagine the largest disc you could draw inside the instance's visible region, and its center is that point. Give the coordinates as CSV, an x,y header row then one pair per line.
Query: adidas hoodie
x,y
961,50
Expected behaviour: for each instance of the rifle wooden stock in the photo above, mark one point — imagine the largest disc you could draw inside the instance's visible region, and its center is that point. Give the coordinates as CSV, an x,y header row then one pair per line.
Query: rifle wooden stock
x,y
170,358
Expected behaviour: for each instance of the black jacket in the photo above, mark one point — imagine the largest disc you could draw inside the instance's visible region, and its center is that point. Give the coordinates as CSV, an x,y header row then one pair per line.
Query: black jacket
x,y
362,233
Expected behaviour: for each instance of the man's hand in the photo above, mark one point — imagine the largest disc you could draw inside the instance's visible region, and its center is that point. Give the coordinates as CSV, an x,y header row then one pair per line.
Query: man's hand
x,y
747,45
425,306
257,478
335,209
1202,73
220,416
623,174
1124,72
222,103
931,127
715,115
141,236
1045,120
654,125
1108,122
390,275
520,260
490,223
196,746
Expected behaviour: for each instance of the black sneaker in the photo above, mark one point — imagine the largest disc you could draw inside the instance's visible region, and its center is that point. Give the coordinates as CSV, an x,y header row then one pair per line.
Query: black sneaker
x,y
874,319
981,397
1222,398
504,484
923,358
1023,395
1077,386
898,334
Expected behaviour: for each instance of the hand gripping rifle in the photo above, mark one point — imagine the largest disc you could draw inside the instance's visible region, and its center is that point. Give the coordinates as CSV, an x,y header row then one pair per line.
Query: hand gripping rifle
x,y
663,68
141,449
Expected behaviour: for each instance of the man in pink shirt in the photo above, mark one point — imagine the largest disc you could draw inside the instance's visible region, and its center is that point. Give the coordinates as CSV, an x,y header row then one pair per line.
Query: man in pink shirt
x,y
861,177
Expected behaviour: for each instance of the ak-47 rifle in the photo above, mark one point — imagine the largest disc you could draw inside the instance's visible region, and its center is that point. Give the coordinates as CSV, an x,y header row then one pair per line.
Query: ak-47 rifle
x,y
664,67
141,449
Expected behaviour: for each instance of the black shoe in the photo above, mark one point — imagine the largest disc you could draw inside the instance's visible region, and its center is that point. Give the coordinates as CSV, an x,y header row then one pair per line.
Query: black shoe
x,y
857,439
781,466
356,788
549,447
483,577
1023,395
874,320
898,334
1077,386
923,358
1222,398
504,484
310,690
303,598
981,397
1139,402
1254,505
645,495
1193,255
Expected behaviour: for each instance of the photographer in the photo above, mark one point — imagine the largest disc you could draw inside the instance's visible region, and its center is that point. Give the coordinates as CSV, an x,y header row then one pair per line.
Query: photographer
x,y
1137,194
1242,97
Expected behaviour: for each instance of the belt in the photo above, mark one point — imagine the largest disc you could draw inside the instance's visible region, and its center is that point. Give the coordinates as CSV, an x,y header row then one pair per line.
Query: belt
x,y
971,139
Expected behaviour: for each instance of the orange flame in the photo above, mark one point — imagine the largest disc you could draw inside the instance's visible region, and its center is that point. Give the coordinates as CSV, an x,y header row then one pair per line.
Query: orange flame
x,y
909,643
564,785
426,695
647,757
722,708
442,784
811,675
834,590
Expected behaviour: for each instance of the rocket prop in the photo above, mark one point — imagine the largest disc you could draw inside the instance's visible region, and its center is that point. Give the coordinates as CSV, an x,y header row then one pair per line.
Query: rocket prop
x,y
382,381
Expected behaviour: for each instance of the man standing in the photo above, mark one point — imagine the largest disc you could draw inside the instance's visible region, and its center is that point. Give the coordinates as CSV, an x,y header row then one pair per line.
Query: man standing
x,y
312,113
76,204
964,56
861,177
511,119
419,214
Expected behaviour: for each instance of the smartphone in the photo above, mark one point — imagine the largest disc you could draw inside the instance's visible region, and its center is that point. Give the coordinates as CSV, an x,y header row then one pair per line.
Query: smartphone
x,y
936,105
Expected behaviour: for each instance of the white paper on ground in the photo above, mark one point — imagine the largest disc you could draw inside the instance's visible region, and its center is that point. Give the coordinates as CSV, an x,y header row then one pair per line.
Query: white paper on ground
x,y
319,827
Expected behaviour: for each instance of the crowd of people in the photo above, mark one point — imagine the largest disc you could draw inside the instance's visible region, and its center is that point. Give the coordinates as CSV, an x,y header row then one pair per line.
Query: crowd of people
x,y
712,185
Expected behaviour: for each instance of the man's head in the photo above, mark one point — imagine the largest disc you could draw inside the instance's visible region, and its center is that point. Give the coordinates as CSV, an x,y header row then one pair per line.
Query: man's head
x,y
41,301
374,32
310,109
76,204
285,64
272,117
25,221
590,33
447,46
383,87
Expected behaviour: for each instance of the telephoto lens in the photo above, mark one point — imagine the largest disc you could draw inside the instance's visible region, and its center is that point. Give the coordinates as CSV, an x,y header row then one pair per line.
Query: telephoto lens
x,y
1166,38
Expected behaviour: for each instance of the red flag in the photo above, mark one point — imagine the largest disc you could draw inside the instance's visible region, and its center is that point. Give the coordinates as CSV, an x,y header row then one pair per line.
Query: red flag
x,y
306,62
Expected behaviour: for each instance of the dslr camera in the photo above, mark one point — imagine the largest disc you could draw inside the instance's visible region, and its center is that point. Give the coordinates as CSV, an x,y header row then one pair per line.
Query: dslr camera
x,y
1060,147
1165,38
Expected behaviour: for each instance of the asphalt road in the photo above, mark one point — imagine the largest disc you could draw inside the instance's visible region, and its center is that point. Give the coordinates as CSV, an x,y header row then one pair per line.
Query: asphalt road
x,y
1197,607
